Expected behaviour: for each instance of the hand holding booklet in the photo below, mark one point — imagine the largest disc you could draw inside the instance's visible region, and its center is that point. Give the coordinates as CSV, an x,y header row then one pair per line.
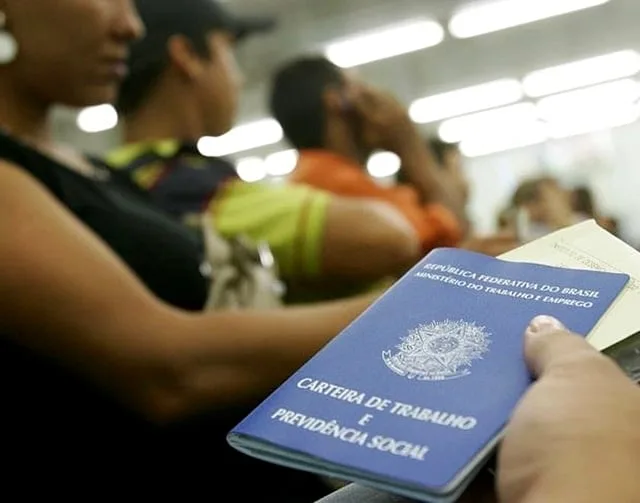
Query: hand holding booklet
x,y
413,396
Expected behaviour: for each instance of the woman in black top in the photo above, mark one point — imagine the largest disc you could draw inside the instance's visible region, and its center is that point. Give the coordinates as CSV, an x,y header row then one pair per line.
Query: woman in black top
x,y
110,374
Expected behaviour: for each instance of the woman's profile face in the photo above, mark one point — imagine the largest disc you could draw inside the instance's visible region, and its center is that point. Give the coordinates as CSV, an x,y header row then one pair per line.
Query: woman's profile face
x,y
71,52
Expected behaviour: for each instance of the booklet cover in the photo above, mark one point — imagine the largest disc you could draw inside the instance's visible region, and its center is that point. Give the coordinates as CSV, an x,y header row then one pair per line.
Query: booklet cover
x,y
413,395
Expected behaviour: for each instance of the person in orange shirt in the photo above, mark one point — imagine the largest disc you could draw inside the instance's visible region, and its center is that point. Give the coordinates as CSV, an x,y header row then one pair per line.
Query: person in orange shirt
x,y
336,122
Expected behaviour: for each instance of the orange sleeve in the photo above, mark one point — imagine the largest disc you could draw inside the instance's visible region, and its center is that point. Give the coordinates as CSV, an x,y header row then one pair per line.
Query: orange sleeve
x,y
441,228
343,182
435,224
356,183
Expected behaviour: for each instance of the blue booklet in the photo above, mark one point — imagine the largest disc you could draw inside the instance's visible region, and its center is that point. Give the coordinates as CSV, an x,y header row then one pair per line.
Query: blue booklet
x,y
412,397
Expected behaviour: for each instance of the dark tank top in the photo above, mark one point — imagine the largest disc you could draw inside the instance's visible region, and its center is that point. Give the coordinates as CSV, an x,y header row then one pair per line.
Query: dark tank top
x,y
61,436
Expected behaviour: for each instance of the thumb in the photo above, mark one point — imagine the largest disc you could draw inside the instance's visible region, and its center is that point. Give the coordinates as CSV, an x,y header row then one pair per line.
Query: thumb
x,y
548,343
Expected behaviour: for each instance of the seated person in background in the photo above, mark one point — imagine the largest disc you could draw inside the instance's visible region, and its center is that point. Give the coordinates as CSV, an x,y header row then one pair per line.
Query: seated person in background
x,y
184,84
449,158
584,204
507,220
112,376
550,207
611,224
547,206
336,123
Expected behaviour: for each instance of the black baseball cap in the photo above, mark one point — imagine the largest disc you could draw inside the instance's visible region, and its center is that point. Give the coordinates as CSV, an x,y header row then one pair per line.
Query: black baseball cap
x,y
166,18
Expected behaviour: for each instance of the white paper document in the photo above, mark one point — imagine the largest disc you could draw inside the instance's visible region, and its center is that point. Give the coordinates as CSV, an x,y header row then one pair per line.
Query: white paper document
x,y
589,246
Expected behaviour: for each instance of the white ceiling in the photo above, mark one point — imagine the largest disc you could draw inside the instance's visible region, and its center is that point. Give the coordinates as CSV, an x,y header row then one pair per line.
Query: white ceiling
x,y
306,25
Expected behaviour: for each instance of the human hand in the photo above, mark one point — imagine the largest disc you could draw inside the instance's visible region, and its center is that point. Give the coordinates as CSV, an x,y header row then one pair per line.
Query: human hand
x,y
574,436
386,121
481,490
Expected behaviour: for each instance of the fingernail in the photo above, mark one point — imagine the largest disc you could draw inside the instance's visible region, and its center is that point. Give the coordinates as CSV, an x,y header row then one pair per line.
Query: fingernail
x,y
542,325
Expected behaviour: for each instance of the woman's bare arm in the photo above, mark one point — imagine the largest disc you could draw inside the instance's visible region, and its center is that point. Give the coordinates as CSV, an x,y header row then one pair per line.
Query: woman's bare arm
x,y
63,293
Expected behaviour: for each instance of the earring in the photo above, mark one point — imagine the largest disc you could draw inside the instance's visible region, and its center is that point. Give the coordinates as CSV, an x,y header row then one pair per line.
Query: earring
x,y
8,43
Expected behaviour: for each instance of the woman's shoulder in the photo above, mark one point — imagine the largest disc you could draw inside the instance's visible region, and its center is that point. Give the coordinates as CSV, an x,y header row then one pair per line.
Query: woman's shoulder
x,y
19,190
17,156
55,171
13,150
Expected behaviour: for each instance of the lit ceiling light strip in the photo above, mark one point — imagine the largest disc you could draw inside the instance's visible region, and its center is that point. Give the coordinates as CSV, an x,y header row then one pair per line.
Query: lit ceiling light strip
x,y
383,164
582,73
254,169
617,95
598,108
281,163
467,100
251,169
481,145
456,129
245,137
385,43
591,122
97,119
476,20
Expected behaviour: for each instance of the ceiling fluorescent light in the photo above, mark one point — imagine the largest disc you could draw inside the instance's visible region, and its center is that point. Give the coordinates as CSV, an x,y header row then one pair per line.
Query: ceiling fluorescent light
x,y
385,43
586,72
459,128
592,122
486,144
618,95
592,109
467,100
281,163
98,118
251,169
245,137
383,164
476,20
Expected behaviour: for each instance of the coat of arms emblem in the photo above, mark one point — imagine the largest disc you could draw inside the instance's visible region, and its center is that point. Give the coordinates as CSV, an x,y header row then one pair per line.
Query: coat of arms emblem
x,y
439,350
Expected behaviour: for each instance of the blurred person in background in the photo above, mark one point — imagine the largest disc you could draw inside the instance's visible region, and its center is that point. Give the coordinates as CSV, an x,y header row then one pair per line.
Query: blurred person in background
x,y
583,202
184,84
112,375
506,220
449,157
546,205
611,224
336,122
585,205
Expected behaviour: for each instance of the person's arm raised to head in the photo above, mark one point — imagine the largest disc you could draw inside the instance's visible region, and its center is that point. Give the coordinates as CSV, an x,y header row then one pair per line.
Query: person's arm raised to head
x,y
367,239
65,295
394,130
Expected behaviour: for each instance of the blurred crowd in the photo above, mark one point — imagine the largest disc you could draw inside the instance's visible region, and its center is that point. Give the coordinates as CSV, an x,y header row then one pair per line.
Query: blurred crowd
x,y
151,298
542,205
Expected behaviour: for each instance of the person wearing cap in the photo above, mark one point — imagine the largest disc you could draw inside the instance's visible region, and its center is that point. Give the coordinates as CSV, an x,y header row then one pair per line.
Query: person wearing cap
x,y
184,84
